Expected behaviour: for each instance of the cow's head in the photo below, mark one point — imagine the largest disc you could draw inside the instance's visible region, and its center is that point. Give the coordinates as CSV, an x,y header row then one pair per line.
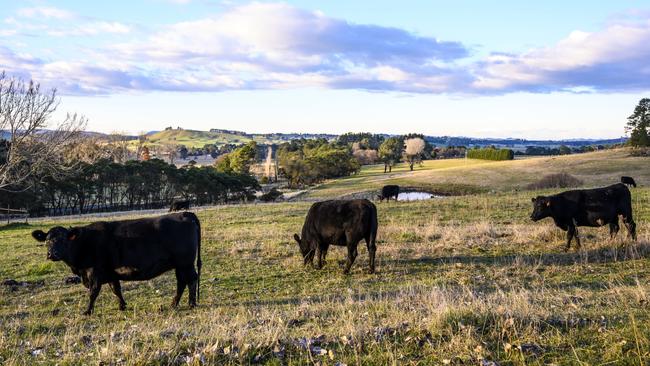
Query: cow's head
x,y
541,208
380,198
58,240
305,249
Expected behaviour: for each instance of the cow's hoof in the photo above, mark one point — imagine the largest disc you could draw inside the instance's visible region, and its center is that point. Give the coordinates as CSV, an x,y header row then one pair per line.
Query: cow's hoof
x,y
371,271
87,313
122,307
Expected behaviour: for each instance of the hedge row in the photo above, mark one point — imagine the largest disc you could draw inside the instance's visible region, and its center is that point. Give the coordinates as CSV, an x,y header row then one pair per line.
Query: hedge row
x,y
491,154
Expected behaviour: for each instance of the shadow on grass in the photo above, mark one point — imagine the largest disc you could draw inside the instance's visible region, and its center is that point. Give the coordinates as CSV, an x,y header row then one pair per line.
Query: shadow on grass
x,y
598,255
14,225
431,264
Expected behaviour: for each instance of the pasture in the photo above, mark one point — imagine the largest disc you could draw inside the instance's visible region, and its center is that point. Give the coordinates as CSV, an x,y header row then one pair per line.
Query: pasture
x,y
460,280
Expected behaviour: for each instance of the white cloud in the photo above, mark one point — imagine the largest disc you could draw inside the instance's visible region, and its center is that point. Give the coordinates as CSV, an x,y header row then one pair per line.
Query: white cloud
x,y
616,58
278,46
45,12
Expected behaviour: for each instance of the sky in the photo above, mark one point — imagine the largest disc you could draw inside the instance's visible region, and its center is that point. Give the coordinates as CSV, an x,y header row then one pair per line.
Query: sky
x,y
550,69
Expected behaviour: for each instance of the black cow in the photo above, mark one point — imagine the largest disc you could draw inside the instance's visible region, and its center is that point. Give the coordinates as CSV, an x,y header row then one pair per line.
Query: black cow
x,y
130,250
629,181
178,205
342,223
387,192
587,207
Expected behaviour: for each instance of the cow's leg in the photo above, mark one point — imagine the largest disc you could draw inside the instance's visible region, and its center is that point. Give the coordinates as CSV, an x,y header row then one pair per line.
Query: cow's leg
x,y
180,286
372,248
192,284
576,235
613,228
117,290
94,289
324,254
571,231
630,225
319,257
352,255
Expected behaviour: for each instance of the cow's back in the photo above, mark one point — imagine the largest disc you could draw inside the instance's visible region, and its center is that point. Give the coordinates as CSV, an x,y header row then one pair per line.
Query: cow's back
x,y
333,219
145,248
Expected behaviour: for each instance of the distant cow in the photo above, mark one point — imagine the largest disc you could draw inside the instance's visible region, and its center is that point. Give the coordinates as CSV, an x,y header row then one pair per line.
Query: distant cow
x,y
178,205
342,223
587,207
387,192
629,181
130,250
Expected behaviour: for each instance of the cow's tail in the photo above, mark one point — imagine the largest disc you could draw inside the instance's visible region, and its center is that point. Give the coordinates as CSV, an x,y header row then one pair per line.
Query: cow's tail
x,y
198,259
375,226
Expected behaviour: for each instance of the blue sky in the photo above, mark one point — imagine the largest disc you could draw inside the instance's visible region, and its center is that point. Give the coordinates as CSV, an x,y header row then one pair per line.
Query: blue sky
x,y
551,69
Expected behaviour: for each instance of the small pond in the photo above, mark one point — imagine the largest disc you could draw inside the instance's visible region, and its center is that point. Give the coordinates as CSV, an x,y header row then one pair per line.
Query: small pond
x,y
416,196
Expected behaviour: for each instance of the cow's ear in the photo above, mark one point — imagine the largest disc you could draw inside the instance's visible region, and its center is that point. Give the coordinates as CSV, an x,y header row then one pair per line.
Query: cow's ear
x,y
39,235
73,234
533,200
296,238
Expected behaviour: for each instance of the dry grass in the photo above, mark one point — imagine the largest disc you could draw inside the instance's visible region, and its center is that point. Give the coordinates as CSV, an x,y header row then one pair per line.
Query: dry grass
x,y
466,176
460,280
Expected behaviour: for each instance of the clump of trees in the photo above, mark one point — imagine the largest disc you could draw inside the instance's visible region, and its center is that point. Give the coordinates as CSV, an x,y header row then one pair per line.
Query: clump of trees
x,y
306,162
105,185
239,161
491,154
638,124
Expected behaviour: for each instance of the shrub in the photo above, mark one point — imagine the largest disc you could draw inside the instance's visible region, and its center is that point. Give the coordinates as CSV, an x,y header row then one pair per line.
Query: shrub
x,y
640,151
560,180
491,154
271,196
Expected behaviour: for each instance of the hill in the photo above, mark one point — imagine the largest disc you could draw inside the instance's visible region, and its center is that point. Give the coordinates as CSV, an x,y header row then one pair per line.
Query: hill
x,y
194,138
460,176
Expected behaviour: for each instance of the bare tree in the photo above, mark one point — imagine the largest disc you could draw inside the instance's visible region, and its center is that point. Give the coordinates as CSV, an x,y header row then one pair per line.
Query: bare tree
x,y
29,148
170,151
413,149
118,144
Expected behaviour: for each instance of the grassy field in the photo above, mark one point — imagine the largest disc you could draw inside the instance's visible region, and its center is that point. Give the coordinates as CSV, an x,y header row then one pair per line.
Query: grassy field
x,y
462,176
193,138
463,280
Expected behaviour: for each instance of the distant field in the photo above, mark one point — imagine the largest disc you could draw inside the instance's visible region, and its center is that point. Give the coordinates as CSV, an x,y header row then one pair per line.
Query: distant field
x,y
193,138
461,176
461,280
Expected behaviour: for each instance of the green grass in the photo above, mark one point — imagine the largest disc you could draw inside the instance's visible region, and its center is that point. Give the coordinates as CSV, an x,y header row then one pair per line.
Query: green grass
x,y
193,138
459,280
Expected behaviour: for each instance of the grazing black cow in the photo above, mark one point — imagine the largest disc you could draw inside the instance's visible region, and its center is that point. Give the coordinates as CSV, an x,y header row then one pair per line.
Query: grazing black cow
x,y
587,207
178,205
387,192
629,181
130,250
342,223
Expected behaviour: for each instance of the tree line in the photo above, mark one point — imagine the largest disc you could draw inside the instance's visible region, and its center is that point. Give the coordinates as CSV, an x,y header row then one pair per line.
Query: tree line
x,y
105,186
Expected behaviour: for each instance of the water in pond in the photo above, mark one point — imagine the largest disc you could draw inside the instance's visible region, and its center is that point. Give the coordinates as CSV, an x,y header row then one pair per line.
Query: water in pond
x,y
415,196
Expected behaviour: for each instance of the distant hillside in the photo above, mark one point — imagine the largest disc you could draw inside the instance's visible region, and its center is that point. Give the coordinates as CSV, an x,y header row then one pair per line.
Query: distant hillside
x,y
517,144
194,138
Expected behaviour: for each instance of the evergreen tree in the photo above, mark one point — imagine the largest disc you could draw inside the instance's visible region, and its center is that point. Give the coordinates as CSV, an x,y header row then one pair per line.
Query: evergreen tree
x,y
639,123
